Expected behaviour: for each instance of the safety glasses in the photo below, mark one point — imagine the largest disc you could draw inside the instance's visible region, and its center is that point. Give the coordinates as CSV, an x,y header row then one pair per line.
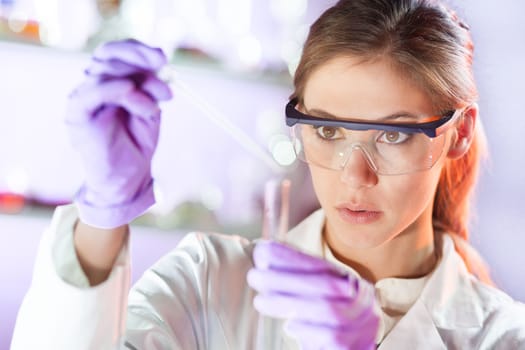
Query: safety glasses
x,y
389,148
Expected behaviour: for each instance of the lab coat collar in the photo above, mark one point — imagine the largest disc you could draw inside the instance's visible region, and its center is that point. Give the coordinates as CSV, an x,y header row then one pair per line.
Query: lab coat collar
x,y
448,300
307,236
449,293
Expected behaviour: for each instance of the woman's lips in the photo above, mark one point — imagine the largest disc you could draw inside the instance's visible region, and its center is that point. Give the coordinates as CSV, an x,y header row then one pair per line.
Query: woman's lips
x,y
359,216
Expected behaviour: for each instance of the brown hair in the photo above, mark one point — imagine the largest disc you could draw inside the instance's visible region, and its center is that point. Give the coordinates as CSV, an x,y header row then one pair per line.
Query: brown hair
x,y
426,42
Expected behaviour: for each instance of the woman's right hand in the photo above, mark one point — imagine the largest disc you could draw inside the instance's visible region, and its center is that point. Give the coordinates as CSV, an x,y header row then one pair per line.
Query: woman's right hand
x,y
113,119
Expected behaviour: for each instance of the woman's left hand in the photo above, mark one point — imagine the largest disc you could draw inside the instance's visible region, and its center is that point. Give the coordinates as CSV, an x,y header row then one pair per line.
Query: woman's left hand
x,y
325,308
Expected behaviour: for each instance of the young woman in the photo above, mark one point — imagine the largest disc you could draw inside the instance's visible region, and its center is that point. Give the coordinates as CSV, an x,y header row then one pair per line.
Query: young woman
x,y
384,112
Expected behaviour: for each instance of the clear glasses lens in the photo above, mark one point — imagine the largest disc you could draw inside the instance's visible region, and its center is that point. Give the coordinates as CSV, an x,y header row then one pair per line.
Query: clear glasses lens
x,y
387,152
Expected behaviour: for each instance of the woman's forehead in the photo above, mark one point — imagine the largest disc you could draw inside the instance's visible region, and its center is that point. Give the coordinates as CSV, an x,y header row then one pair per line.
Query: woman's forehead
x,y
348,86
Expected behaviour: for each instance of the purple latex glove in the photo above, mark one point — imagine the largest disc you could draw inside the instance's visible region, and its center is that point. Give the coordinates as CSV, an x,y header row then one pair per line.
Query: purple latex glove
x,y
325,308
113,119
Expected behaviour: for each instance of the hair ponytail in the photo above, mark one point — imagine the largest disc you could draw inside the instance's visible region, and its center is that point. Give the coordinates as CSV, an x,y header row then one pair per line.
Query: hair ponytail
x,y
453,200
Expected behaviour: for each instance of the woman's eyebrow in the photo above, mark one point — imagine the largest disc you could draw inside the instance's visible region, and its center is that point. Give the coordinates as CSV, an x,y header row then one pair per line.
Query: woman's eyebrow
x,y
323,114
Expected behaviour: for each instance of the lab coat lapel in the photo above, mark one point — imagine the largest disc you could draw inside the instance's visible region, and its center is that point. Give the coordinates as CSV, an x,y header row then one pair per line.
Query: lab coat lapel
x,y
417,329
446,303
449,294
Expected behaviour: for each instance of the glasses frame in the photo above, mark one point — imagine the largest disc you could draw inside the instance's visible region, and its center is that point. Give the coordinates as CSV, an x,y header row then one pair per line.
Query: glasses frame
x,y
431,129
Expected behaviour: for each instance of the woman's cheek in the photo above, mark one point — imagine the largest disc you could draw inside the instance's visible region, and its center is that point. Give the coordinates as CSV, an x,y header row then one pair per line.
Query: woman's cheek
x,y
325,184
411,193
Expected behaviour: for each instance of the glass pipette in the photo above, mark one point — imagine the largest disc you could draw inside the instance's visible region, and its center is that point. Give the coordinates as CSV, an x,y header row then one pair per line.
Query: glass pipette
x,y
169,75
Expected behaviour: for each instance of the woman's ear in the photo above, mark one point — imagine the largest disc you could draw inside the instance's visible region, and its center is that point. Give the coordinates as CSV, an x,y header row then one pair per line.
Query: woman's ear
x,y
464,132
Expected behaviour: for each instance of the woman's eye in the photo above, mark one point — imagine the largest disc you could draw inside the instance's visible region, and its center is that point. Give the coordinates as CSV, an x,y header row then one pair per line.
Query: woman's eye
x,y
393,137
326,132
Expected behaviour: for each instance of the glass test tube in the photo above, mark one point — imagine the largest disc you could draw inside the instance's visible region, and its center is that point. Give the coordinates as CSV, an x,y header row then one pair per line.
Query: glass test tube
x,y
275,226
276,209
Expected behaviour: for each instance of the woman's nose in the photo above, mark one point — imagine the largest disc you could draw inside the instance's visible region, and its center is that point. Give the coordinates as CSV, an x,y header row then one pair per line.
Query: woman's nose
x,y
358,169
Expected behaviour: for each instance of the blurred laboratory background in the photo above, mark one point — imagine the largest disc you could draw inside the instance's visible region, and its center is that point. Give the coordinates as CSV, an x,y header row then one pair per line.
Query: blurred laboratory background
x,y
233,61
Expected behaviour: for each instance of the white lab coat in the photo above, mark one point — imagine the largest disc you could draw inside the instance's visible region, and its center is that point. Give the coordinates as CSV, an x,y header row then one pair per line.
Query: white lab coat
x,y
196,297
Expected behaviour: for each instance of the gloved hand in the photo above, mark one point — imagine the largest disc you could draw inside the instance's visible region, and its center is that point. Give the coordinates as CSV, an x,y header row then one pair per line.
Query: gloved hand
x,y
113,119
324,307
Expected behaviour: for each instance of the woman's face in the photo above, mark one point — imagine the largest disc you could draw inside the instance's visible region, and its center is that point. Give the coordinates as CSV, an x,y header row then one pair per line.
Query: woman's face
x,y
365,210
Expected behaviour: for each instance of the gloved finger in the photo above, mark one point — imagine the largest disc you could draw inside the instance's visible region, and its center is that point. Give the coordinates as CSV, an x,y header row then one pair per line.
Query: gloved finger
x,y
117,92
156,88
101,134
321,284
328,312
313,336
277,255
148,81
132,52
145,133
139,104
112,68
92,95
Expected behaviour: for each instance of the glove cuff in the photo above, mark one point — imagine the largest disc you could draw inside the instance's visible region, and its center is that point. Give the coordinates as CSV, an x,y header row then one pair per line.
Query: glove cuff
x,y
117,215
